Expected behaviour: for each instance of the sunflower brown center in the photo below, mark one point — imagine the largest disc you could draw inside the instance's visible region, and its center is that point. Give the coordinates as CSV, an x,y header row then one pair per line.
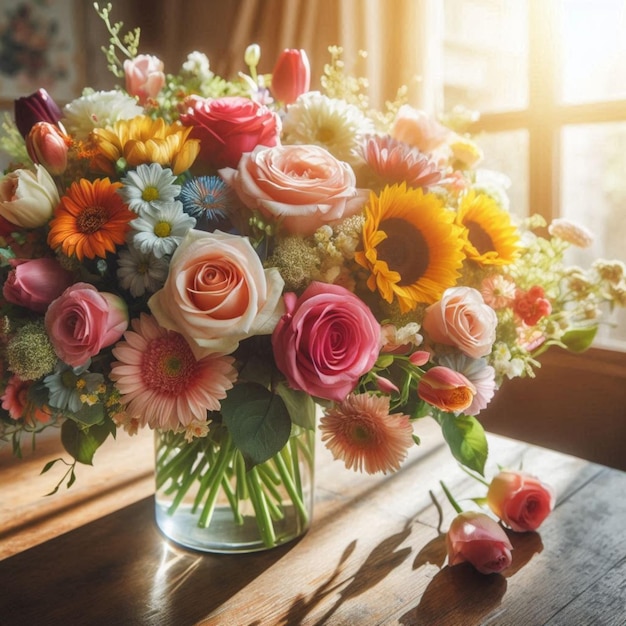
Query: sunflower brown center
x,y
479,237
91,219
405,250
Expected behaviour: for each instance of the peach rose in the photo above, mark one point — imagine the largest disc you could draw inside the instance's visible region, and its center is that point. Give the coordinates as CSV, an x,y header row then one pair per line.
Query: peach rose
x,y
476,538
144,77
462,319
419,129
520,500
217,293
301,187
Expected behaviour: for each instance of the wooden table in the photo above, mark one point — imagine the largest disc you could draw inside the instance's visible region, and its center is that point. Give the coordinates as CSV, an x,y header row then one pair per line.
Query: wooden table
x,y
93,556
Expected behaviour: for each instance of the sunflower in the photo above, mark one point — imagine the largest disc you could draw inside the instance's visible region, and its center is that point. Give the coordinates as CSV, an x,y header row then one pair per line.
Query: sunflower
x,y
411,246
144,140
90,220
491,239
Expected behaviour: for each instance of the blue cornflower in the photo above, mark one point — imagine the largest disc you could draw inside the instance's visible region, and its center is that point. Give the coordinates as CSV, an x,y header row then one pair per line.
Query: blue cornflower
x,y
209,199
71,387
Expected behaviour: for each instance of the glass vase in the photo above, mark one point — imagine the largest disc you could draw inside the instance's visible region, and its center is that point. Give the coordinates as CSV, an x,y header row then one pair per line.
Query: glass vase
x,y
207,499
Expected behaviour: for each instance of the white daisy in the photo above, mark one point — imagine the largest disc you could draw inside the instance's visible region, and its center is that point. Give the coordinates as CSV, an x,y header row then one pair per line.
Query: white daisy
x,y
98,109
333,124
140,272
161,228
148,183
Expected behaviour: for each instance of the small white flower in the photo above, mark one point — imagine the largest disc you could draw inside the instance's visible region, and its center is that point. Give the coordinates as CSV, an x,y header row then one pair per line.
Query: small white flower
x,y
148,183
197,64
162,228
139,272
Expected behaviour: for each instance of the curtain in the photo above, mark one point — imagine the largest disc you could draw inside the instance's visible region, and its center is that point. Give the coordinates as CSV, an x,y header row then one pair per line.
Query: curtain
x,y
400,37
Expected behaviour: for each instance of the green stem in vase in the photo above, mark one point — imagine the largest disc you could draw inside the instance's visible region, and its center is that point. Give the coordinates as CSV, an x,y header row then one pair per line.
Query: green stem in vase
x,y
232,500
168,466
262,513
213,480
240,470
295,496
182,488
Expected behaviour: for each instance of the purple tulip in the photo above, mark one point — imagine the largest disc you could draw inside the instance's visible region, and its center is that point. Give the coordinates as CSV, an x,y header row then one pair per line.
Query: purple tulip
x,y
38,107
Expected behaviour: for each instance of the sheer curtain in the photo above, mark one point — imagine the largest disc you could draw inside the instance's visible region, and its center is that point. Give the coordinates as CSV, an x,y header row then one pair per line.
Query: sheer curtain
x,y
399,36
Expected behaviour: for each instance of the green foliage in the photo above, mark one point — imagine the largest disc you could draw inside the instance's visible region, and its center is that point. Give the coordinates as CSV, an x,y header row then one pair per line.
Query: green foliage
x,y
579,339
300,405
258,421
81,443
466,438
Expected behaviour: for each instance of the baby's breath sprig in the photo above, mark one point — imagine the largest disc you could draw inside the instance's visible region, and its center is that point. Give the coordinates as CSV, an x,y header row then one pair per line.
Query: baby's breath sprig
x,y
128,45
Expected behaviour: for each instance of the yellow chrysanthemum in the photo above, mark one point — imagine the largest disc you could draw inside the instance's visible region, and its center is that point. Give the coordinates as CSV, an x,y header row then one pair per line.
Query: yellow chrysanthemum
x,y
491,239
144,140
411,246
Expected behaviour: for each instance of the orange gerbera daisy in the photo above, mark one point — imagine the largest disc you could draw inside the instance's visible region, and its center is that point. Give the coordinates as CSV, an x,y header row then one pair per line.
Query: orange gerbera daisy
x,y
411,246
144,140
90,220
491,238
362,433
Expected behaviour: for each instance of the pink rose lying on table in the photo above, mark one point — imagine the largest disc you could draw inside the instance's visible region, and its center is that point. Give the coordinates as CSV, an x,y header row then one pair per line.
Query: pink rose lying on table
x,y
477,539
144,77
326,341
462,319
301,187
35,283
217,293
520,500
229,126
82,321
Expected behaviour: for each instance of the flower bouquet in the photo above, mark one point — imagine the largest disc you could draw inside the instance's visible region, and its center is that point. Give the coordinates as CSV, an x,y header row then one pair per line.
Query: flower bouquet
x,y
234,263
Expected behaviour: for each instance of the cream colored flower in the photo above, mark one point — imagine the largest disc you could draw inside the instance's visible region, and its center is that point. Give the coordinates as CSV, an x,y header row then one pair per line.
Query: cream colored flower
x,y
573,233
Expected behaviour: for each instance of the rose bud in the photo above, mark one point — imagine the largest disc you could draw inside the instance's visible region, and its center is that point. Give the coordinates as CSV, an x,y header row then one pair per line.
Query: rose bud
x,y
291,76
35,283
446,389
47,145
144,77
38,107
520,500
477,539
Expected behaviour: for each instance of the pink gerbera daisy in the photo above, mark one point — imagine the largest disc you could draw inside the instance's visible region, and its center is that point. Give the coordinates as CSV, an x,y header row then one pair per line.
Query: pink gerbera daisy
x,y
362,433
160,380
391,161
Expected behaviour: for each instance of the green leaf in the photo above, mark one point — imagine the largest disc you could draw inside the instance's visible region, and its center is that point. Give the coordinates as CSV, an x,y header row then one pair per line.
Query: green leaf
x,y
300,405
82,443
579,339
466,438
258,422
88,415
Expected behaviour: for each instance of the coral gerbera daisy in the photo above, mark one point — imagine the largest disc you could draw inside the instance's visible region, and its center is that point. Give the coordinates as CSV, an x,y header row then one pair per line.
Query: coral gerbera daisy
x,y
90,220
144,140
411,246
161,382
362,433
491,237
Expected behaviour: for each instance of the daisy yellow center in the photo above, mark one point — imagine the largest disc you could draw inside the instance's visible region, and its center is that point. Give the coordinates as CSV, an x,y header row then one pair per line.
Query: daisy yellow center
x,y
91,219
150,193
168,365
404,250
162,229
479,237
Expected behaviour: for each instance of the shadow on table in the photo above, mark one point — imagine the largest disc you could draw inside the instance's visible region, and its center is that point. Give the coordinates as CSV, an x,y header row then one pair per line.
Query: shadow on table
x,y
120,570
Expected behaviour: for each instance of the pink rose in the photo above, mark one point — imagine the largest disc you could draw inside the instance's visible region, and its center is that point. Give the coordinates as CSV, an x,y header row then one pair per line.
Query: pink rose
x,y
144,77
476,538
35,283
82,321
462,319
326,341
419,129
446,389
229,126
301,187
217,293
520,500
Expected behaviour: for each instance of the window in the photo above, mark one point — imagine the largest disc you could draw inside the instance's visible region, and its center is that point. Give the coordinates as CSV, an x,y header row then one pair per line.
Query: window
x,y
549,82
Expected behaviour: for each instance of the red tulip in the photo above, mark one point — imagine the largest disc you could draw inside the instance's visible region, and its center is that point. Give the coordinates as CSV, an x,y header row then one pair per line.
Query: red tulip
x,y
291,76
38,107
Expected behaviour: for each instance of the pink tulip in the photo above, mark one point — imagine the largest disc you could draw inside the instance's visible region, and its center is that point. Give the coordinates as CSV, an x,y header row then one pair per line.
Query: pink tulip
x,y
35,283
144,77
291,76
520,500
477,539
446,389
48,146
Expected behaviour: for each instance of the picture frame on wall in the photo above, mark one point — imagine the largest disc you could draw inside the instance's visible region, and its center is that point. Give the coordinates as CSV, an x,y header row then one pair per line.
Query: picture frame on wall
x,y
40,47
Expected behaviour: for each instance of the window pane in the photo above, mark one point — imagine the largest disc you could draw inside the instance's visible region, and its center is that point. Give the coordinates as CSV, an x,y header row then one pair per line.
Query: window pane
x,y
592,50
485,54
593,193
507,153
